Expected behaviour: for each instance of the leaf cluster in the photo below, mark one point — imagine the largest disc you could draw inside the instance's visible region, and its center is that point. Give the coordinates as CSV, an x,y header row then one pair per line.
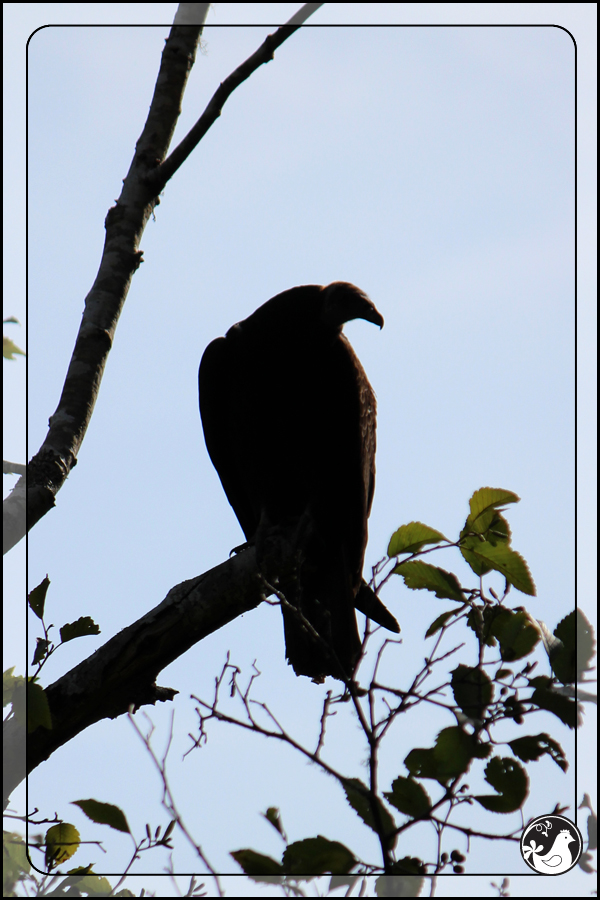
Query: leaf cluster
x,y
500,688
479,697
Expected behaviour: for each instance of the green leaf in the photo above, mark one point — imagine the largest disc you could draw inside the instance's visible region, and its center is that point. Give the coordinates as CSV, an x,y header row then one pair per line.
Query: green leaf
x,y
497,533
410,538
409,797
485,539
16,865
515,632
317,856
473,691
256,864
502,674
410,866
81,628
483,505
272,816
95,886
554,647
104,814
480,620
533,746
37,597
18,699
510,780
586,644
402,885
562,649
483,556
38,711
468,543
358,797
10,683
452,755
564,708
422,576
9,348
62,841
440,622
81,880
41,649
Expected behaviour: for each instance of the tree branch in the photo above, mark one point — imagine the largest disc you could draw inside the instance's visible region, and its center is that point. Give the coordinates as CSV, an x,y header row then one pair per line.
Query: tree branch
x,y
13,515
191,14
300,17
123,671
9,468
125,224
264,54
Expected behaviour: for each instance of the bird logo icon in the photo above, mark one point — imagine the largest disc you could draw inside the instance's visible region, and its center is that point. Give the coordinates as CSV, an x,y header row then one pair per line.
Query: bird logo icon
x,y
548,850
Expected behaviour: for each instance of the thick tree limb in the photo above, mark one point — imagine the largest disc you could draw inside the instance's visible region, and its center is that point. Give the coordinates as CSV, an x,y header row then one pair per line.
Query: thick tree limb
x,y
123,671
124,225
191,14
10,468
13,515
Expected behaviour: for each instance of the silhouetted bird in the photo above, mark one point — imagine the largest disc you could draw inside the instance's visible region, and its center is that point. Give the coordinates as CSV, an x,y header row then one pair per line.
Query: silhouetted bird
x,y
289,423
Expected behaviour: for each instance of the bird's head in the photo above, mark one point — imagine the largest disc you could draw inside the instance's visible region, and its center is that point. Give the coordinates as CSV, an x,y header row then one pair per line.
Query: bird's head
x,y
343,302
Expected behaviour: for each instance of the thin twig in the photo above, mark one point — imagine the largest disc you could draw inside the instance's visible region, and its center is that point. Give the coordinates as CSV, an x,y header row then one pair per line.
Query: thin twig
x,y
264,54
168,800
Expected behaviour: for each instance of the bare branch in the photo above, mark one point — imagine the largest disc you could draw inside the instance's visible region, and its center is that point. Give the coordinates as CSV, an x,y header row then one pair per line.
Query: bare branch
x,y
264,54
302,15
324,716
191,14
125,224
9,468
13,515
168,800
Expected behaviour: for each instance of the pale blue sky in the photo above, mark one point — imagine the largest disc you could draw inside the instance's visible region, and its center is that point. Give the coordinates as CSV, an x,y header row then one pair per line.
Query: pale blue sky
x,y
433,167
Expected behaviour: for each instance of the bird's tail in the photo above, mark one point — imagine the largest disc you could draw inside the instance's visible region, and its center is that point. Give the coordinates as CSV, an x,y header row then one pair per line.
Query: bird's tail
x,y
321,634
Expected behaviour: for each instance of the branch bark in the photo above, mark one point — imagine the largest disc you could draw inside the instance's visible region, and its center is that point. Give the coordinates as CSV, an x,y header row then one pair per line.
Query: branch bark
x,y
125,224
123,671
11,468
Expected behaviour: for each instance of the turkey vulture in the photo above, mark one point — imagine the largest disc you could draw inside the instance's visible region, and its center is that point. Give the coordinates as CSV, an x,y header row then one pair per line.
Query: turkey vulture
x,y
289,424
